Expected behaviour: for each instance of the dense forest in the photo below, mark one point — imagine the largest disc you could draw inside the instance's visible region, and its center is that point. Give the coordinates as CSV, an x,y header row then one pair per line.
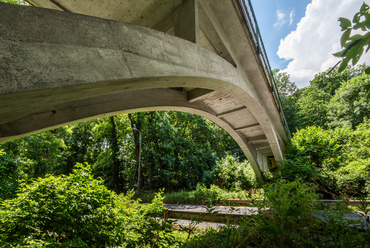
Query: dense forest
x,y
331,126
80,185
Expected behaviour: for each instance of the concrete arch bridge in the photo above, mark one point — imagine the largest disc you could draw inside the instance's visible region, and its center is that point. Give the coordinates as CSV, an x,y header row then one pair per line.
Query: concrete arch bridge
x,y
78,60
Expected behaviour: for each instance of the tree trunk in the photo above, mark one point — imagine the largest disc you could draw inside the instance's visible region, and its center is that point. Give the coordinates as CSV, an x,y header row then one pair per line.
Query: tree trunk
x,y
136,135
115,152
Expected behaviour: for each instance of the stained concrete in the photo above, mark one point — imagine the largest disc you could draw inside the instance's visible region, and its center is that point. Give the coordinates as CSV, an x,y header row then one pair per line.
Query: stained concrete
x,y
58,67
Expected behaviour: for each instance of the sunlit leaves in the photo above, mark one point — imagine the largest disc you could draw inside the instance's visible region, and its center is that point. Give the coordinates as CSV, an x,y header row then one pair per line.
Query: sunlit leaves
x,y
354,46
344,23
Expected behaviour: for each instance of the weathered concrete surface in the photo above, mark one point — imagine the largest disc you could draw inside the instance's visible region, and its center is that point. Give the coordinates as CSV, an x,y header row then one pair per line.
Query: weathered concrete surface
x,y
59,67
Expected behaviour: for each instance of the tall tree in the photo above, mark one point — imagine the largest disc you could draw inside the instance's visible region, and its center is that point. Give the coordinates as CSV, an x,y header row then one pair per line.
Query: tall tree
x,y
350,106
115,153
136,124
312,104
288,92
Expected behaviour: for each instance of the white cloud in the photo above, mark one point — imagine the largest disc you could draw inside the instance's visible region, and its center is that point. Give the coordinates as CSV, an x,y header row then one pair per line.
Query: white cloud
x,y
316,38
291,17
280,19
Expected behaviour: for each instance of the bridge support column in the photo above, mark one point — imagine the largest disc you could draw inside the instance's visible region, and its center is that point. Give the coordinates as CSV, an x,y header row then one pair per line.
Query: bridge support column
x,y
262,162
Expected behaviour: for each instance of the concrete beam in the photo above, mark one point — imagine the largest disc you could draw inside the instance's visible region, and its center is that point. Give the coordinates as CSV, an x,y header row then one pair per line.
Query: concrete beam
x,y
246,127
232,111
257,138
187,21
198,94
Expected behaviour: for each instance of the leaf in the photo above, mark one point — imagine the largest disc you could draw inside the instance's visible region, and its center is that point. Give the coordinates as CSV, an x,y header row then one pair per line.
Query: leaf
x,y
367,70
343,65
345,37
339,54
344,23
355,53
356,18
355,37
364,8
359,25
367,20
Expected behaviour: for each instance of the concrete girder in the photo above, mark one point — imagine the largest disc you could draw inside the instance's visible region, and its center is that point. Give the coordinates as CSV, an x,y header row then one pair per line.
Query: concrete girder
x,y
65,60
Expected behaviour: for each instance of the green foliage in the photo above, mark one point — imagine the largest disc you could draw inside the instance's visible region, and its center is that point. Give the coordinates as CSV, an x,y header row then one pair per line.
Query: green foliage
x,y
315,104
69,209
285,87
8,176
18,2
201,195
315,146
312,105
177,148
212,195
331,80
292,221
355,45
337,160
78,211
230,174
354,177
287,224
350,106
288,92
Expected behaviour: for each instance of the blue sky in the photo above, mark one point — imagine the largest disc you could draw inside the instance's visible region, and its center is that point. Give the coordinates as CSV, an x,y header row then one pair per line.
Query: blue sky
x,y
273,29
300,36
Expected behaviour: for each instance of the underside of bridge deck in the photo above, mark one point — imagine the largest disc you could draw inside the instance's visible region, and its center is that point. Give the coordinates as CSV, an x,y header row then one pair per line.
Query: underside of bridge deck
x,y
191,55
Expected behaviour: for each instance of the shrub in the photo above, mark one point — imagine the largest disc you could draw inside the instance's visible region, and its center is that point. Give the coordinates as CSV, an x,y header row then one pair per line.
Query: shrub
x,y
354,177
79,211
8,176
287,224
290,222
76,210
231,174
337,160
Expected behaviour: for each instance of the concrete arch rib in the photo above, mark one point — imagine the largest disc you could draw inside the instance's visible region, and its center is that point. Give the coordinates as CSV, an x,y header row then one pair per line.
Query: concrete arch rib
x,y
121,103
75,58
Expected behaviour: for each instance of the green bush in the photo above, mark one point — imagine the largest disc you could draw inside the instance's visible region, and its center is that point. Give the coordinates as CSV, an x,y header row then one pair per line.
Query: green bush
x,y
8,176
79,211
290,222
316,146
354,177
336,160
76,210
287,224
231,174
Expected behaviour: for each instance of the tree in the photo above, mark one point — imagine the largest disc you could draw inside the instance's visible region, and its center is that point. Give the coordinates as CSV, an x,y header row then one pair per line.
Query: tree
x,y
354,46
115,153
285,87
312,104
331,80
288,92
8,176
350,106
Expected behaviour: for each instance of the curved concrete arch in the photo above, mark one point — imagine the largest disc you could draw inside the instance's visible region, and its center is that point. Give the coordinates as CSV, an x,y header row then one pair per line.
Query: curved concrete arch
x,y
121,103
75,62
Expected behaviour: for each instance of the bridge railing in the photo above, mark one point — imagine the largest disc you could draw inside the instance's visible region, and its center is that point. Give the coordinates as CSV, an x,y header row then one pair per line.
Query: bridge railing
x,y
245,8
